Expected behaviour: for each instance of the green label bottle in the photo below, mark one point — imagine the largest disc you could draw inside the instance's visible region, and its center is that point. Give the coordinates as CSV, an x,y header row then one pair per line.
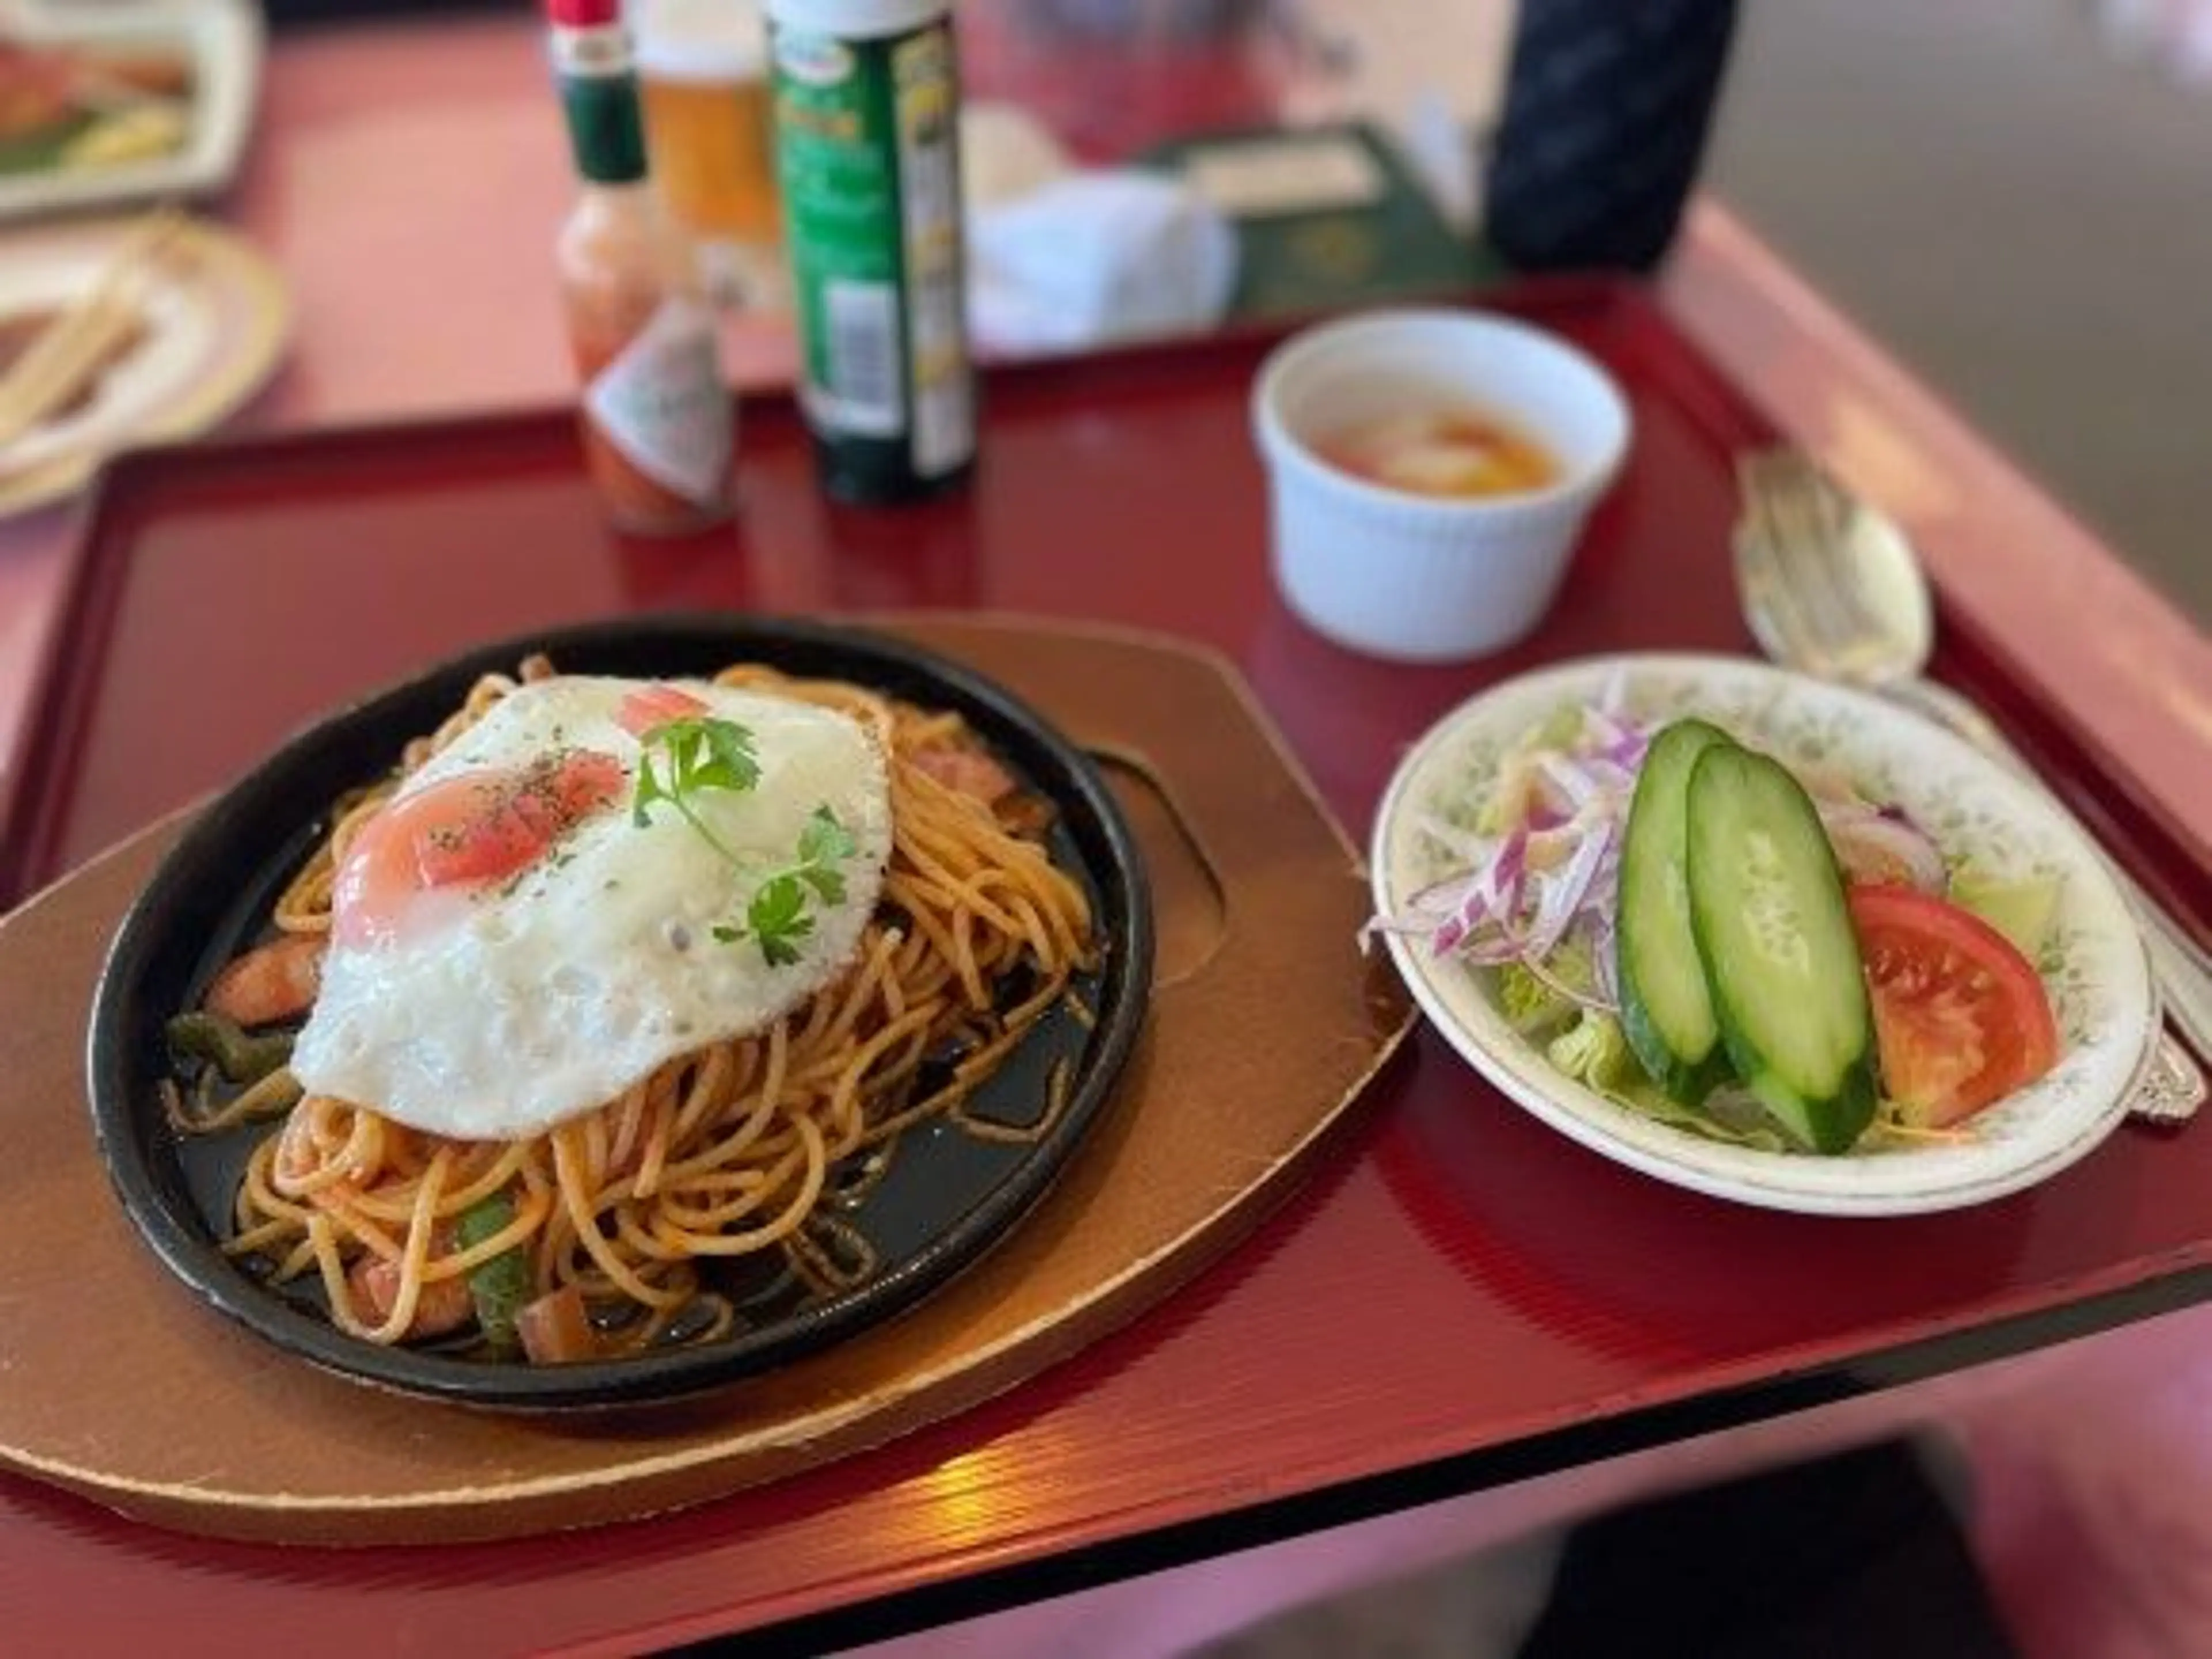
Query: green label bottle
x,y
867,100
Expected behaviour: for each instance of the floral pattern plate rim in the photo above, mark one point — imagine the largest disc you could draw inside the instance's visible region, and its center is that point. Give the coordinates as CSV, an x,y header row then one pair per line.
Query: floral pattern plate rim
x,y
2093,964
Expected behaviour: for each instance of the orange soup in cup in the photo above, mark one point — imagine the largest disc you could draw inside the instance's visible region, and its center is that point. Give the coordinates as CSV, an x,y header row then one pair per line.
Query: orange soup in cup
x,y
1447,452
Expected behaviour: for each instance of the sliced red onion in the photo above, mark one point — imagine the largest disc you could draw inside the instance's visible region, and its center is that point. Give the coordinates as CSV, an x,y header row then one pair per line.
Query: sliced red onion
x,y
1604,963
1628,751
1612,776
1493,895
1441,898
1425,910
1554,983
1499,909
1569,778
1601,899
1563,893
1618,739
1511,867
1545,817
1873,845
1494,951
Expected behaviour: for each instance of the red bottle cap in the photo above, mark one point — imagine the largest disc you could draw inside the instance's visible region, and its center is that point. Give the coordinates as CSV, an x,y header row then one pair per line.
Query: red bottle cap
x,y
583,14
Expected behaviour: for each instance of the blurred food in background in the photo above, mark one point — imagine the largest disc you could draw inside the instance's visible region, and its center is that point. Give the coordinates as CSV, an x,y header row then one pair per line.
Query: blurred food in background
x,y
70,106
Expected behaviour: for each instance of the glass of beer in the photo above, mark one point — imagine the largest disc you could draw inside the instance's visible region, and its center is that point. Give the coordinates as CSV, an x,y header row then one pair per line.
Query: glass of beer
x,y
703,69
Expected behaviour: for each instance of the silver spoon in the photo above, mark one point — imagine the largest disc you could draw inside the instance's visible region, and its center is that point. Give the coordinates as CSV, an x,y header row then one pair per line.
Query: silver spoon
x,y
1833,588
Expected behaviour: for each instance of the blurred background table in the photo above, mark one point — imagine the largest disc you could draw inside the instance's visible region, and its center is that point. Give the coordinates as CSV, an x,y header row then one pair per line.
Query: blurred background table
x,y
406,177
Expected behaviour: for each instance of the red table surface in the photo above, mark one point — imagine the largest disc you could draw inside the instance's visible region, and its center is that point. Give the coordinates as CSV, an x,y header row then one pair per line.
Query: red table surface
x,y
1464,1298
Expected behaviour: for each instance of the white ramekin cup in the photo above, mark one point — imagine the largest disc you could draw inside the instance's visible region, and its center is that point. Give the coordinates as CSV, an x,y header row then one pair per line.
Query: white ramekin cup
x,y
1418,578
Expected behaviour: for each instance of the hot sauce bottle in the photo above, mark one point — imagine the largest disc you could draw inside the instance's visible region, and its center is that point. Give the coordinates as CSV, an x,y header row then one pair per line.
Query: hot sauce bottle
x,y
657,417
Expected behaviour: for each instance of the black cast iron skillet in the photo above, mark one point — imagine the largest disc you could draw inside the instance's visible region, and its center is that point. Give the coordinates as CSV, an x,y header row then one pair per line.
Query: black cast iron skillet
x,y
908,1222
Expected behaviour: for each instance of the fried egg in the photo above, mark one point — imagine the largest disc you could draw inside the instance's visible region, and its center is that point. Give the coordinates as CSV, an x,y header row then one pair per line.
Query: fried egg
x,y
513,946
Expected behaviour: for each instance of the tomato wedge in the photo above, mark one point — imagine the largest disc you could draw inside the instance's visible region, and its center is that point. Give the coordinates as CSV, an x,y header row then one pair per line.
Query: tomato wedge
x,y
480,827
1961,1017
656,705
473,827
967,771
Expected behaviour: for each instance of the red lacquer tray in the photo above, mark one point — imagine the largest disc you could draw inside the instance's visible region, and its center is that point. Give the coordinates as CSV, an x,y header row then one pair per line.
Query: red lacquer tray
x,y
1465,1298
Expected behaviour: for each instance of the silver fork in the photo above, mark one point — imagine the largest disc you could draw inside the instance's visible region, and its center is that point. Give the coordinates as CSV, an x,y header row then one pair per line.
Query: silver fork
x,y
1833,588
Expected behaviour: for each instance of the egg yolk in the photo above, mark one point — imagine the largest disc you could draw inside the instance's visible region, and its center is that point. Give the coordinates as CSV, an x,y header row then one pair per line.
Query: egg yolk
x,y
473,828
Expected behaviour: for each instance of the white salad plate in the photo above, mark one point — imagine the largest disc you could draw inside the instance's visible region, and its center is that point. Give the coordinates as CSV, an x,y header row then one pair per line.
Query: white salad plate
x,y
2093,961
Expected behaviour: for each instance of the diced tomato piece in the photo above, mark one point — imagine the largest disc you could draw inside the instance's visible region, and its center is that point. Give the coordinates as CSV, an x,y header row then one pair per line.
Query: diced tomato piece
x,y
276,980
442,1305
481,828
556,1327
969,771
656,705
466,830
1961,1017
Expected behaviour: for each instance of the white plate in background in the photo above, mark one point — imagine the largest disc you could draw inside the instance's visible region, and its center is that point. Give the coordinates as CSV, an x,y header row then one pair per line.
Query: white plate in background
x,y
216,320
223,40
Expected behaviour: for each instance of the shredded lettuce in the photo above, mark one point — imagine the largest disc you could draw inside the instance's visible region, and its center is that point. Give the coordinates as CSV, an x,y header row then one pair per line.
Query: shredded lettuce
x,y
1594,1051
1728,1115
1530,1006
2021,908
1536,1004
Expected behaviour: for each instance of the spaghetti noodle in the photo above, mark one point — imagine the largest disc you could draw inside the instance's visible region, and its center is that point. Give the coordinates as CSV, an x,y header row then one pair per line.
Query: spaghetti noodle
x,y
724,1151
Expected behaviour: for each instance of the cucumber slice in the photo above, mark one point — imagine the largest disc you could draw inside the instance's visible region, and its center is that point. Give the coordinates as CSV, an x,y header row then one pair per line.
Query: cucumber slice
x,y
1781,958
1665,1009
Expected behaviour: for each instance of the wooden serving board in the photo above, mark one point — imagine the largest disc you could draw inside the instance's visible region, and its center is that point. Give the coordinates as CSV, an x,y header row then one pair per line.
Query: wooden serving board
x,y
1266,1024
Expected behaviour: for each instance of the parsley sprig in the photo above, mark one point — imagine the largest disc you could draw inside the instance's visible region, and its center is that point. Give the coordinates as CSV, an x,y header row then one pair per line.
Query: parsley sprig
x,y
776,919
699,753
